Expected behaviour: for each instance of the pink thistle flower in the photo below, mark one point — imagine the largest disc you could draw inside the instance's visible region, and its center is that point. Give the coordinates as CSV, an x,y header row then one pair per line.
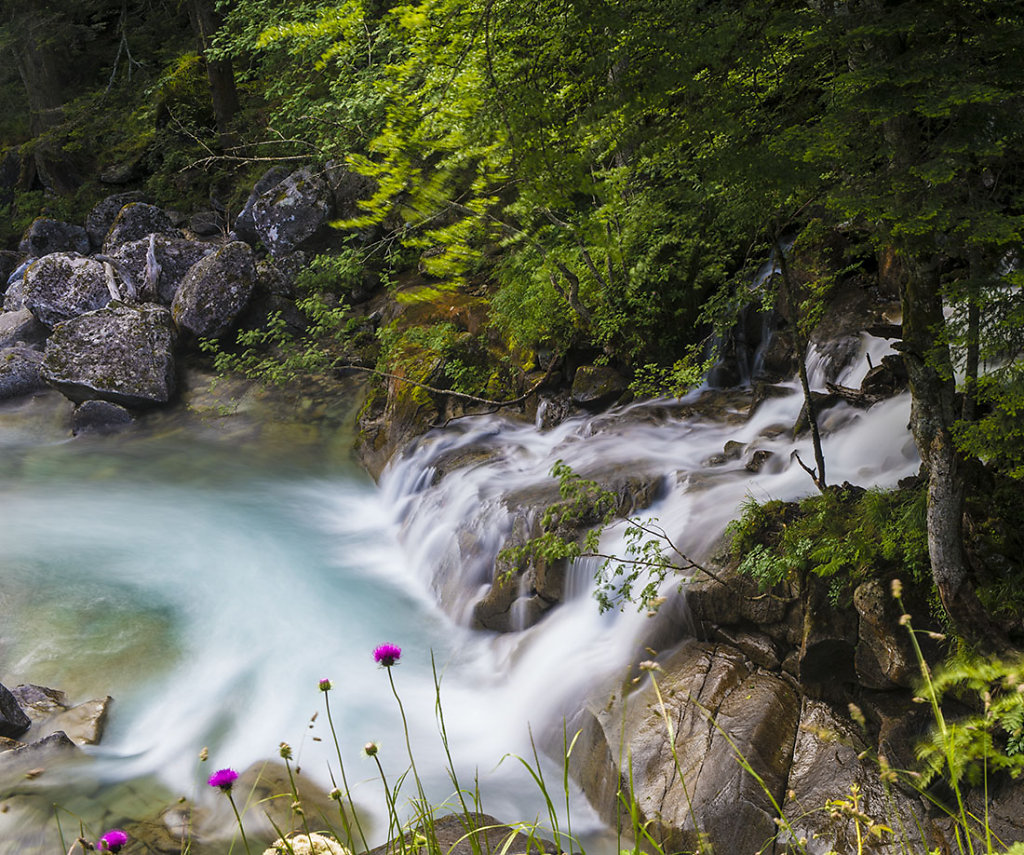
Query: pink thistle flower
x,y
325,685
223,778
387,654
112,841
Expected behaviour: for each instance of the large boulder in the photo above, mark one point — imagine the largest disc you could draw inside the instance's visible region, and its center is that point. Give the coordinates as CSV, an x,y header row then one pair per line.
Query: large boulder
x,y
174,257
134,221
20,327
244,226
19,371
678,751
44,236
292,211
215,290
63,285
123,354
103,214
348,189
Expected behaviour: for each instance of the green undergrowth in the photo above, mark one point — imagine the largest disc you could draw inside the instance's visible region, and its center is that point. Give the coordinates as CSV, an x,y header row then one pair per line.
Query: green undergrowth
x,y
845,535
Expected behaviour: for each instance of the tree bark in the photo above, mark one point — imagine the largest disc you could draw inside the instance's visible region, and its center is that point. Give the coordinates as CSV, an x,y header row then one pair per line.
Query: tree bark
x,y
219,72
932,385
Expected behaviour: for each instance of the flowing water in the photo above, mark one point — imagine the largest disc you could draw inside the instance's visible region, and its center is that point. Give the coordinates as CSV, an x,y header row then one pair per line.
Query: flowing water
x,y
207,577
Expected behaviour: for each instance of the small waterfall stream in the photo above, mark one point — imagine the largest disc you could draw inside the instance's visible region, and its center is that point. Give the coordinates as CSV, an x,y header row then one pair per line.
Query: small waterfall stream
x,y
208,585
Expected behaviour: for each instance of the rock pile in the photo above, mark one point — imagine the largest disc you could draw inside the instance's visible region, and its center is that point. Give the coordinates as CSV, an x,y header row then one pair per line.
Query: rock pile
x,y
104,312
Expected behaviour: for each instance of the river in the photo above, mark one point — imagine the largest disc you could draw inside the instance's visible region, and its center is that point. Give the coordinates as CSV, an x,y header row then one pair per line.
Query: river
x,y
207,571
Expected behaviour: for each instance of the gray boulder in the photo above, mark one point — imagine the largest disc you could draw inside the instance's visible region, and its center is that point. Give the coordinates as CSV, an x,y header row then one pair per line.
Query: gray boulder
x,y
63,285
13,721
123,354
244,226
99,417
52,713
694,787
215,290
826,765
20,327
19,371
14,297
173,256
44,236
134,221
292,211
103,214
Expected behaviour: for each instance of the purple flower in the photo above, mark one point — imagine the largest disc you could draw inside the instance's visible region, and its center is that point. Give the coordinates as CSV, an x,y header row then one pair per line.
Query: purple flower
x,y
112,841
387,654
325,685
223,778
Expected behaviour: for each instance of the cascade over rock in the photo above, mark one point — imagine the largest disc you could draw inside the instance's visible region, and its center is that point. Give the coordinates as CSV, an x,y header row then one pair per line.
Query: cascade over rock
x,y
123,354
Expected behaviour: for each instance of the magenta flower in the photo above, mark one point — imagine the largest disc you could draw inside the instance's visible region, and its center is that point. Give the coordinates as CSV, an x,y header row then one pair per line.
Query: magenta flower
x,y
112,841
387,654
223,778
325,685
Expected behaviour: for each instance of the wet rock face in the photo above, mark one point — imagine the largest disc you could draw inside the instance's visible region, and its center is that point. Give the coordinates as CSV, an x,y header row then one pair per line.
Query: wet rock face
x,y
45,236
215,290
99,417
291,211
62,285
123,354
758,711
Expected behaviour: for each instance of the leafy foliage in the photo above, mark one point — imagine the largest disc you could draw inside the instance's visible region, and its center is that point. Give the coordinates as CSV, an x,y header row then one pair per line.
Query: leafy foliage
x,y
842,535
571,530
991,739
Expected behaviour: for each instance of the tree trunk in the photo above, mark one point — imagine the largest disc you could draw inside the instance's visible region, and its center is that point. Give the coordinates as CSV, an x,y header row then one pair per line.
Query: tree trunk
x,y
219,72
42,63
932,385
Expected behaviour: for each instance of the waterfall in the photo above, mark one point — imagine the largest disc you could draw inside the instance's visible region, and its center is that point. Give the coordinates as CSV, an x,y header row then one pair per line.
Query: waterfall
x,y
209,583
453,519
